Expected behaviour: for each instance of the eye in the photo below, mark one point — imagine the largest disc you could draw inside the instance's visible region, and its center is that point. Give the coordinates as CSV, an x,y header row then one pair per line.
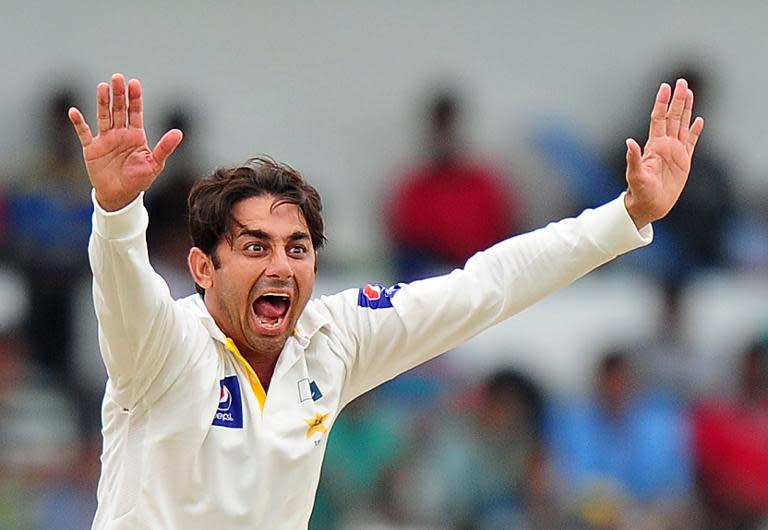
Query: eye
x,y
297,250
254,247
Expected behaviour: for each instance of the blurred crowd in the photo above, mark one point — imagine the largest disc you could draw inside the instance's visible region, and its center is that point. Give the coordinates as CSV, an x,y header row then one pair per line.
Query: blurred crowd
x,y
645,445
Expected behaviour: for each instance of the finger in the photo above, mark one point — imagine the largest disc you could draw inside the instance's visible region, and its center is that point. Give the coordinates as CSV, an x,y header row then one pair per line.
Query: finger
x,y
685,122
81,127
135,105
166,146
118,101
694,134
659,112
634,158
103,119
675,111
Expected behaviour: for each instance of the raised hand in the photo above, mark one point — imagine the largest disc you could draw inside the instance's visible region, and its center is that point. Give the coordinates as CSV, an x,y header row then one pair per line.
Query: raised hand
x,y
119,161
657,174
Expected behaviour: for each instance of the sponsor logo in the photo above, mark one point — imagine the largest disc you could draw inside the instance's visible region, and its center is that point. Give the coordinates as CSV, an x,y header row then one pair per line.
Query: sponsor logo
x,y
225,399
372,292
230,410
376,296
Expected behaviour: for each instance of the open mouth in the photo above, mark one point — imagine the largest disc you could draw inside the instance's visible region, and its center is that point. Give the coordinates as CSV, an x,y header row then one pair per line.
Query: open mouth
x,y
271,309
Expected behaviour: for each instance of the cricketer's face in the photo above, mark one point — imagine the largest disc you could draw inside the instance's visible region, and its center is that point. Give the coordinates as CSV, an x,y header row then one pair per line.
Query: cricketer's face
x,y
264,279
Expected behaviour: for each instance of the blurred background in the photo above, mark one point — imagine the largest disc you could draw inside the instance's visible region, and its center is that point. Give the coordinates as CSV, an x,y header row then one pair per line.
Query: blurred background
x,y
636,398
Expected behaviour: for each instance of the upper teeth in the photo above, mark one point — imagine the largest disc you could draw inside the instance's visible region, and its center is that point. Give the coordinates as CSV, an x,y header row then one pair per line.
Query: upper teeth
x,y
281,295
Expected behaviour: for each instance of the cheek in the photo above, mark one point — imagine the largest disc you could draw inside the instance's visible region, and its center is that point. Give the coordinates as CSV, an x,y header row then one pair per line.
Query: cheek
x,y
305,277
305,282
234,287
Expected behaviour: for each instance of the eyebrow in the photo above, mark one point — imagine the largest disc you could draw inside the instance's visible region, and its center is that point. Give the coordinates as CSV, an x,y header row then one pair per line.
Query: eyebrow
x,y
256,233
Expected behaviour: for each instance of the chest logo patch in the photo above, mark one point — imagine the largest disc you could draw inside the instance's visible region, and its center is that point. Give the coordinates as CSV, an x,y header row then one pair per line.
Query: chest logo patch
x,y
317,424
230,410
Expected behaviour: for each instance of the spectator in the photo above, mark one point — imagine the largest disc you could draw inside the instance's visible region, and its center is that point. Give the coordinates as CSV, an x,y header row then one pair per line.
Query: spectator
x,y
452,205
622,453
496,449
731,442
50,217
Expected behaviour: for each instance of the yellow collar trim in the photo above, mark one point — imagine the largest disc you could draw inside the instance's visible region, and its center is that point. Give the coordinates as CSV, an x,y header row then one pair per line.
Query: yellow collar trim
x,y
253,379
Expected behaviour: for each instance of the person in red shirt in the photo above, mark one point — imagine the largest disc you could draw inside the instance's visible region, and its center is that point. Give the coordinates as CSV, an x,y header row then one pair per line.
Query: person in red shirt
x,y
451,206
731,447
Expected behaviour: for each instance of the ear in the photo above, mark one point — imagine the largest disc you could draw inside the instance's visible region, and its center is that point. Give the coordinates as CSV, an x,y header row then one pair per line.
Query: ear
x,y
201,267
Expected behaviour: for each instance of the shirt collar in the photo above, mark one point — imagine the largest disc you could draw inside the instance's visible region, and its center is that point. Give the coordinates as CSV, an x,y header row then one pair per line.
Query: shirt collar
x,y
196,303
310,322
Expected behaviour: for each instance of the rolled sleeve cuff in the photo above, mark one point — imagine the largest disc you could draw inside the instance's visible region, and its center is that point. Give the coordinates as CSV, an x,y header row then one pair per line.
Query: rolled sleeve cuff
x,y
614,229
120,224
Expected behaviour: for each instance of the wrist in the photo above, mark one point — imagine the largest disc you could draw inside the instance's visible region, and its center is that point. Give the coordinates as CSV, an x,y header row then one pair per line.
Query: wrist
x,y
127,222
113,204
638,214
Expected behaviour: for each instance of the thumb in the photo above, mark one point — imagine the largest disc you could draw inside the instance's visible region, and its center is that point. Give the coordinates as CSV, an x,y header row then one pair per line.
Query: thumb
x,y
166,146
634,157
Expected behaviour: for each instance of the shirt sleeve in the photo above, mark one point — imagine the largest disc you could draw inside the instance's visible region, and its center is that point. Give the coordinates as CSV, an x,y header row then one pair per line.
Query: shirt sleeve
x,y
389,331
141,330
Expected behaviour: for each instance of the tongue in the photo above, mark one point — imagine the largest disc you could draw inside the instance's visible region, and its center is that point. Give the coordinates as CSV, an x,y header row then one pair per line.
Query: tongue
x,y
271,307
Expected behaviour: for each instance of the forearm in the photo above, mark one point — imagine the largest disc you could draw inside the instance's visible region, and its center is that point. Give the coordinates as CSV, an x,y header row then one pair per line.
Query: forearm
x,y
515,274
132,302
536,264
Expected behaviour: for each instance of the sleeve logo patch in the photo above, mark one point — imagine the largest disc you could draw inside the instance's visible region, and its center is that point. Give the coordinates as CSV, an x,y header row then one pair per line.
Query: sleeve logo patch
x,y
377,296
230,410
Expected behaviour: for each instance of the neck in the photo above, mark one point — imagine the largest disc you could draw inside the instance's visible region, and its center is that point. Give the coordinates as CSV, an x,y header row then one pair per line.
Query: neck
x,y
262,363
264,366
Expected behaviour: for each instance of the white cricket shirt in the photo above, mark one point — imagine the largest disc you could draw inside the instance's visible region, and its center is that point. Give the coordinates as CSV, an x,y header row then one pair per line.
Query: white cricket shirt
x,y
190,439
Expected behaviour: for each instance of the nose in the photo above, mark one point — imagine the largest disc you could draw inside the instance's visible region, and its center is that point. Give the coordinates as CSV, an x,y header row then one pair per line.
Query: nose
x,y
279,265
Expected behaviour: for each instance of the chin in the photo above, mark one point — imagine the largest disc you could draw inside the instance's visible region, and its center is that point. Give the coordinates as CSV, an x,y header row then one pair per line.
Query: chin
x,y
269,344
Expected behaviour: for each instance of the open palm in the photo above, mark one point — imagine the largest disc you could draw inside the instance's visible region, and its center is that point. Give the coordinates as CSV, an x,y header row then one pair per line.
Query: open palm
x,y
119,161
657,174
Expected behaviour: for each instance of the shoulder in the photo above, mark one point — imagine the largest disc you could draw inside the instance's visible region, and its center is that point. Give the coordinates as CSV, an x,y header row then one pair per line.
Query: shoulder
x,y
326,311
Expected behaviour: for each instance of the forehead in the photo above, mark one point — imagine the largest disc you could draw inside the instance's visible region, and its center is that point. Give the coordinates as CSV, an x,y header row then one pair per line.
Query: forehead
x,y
267,213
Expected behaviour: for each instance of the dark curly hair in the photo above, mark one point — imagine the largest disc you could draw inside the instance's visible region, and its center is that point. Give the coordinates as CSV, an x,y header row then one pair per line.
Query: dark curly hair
x,y
211,199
